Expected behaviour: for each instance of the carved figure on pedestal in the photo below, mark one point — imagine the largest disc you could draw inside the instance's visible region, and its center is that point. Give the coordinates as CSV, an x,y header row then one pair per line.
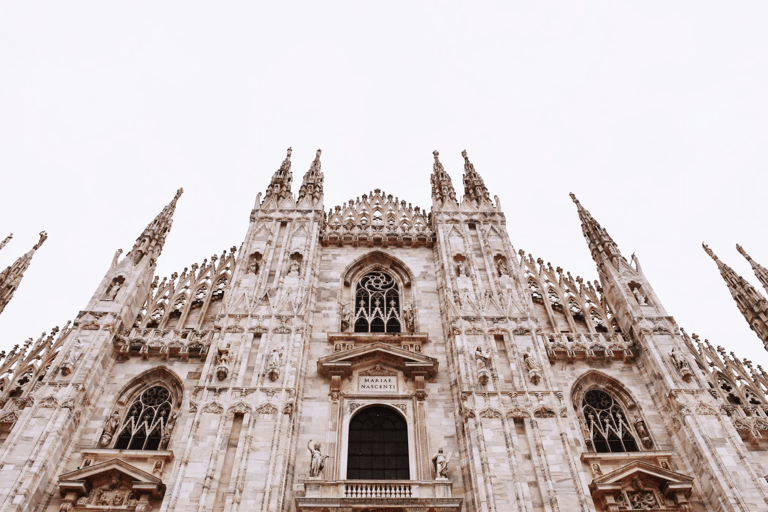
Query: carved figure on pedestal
x,y
168,431
275,358
440,464
460,269
114,287
534,369
222,363
109,429
483,359
346,318
642,431
682,366
294,267
254,261
501,266
72,357
317,461
408,318
639,296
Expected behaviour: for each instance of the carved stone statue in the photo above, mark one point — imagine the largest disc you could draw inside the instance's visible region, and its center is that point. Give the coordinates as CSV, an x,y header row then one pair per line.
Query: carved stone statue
x,y
317,461
440,464
295,267
460,270
273,369
408,318
682,366
110,427
642,431
639,296
346,318
534,368
113,289
72,357
501,266
483,358
222,362
168,431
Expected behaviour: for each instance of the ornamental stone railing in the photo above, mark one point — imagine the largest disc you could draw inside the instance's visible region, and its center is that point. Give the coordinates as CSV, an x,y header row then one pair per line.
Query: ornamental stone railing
x,y
413,494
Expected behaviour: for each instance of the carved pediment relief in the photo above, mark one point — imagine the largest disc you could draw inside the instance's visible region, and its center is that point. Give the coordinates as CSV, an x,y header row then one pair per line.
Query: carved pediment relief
x,y
113,483
641,485
383,354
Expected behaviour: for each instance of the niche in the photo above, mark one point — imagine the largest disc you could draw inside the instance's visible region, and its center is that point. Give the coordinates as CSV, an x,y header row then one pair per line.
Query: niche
x,y
460,264
501,265
254,263
294,263
114,287
637,291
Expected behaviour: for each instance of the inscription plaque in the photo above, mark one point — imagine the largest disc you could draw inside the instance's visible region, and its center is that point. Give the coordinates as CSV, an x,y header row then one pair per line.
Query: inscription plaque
x,y
377,384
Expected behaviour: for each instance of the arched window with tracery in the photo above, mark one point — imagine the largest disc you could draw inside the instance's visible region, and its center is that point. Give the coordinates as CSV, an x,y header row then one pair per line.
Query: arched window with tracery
x,y
607,423
378,445
147,420
377,303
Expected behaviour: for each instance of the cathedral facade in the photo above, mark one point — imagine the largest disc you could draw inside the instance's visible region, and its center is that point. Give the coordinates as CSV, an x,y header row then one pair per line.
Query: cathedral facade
x,y
378,356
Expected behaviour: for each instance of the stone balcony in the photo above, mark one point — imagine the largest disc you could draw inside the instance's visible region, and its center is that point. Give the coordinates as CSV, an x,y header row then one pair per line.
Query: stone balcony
x,y
398,494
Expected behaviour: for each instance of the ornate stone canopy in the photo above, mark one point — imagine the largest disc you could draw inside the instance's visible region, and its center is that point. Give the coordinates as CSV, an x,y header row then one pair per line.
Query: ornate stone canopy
x,y
641,480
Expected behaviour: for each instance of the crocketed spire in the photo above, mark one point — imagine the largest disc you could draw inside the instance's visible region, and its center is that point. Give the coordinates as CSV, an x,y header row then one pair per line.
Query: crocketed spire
x,y
474,187
442,187
750,302
6,240
10,278
601,245
152,239
760,271
312,185
280,186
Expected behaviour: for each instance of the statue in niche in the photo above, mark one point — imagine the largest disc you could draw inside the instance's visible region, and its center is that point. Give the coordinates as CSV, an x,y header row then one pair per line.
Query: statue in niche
x,y
440,464
295,267
273,370
168,431
501,266
639,296
117,500
110,427
457,298
460,269
642,431
253,263
346,318
114,287
408,317
102,499
317,461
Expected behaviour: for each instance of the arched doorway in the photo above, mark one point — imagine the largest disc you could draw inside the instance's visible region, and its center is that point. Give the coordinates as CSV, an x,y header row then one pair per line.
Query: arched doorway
x,y
378,445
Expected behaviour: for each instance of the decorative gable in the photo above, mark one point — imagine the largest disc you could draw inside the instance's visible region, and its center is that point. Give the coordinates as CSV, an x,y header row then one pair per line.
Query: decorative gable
x,y
378,353
641,485
113,483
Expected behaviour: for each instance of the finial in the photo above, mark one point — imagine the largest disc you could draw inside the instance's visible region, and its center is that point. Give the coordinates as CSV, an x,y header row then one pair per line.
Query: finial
x,y
709,251
464,154
573,196
436,153
43,238
743,252
289,151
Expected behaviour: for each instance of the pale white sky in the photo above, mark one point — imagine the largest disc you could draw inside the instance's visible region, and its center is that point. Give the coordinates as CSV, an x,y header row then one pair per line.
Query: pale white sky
x,y
653,113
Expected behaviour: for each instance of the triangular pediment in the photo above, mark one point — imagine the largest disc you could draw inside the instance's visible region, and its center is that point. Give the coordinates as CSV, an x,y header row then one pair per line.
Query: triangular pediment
x,y
384,354
637,468
117,472
112,465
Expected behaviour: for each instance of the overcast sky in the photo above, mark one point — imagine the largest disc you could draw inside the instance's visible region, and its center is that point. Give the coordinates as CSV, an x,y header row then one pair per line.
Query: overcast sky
x,y
653,113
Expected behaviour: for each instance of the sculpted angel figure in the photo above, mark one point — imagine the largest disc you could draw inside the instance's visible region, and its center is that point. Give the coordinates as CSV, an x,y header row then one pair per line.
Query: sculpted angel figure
x,y
346,318
440,463
317,461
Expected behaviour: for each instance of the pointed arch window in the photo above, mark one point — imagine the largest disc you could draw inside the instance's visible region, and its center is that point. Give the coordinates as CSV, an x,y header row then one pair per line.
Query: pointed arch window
x,y
146,421
607,423
377,303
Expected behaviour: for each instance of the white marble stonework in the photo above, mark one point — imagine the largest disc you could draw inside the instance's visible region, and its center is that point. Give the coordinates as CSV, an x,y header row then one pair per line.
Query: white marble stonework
x,y
379,356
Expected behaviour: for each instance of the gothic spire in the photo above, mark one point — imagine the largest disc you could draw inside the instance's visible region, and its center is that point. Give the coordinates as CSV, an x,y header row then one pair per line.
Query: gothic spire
x,y
760,271
601,245
6,240
312,185
10,278
750,302
474,187
152,239
280,186
442,187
